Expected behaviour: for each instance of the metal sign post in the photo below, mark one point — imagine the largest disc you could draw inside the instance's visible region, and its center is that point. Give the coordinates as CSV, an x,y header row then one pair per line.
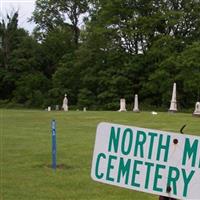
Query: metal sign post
x,y
53,130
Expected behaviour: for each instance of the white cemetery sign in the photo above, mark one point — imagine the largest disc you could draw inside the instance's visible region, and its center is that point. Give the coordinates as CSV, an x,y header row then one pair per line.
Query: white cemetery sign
x,y
153,161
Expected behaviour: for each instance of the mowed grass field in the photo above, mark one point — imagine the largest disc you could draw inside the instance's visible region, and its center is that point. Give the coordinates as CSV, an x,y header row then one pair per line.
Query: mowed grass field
x,y
25,153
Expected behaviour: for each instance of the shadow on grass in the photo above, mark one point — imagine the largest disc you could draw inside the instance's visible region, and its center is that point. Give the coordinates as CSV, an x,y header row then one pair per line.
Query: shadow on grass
x,y
58,166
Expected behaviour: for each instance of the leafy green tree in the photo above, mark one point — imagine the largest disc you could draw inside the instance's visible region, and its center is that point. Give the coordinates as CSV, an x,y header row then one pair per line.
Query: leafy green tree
x,y
46,15
30,89
56,44
126,47
11,37
66,79
143,38
175,63
135,25
21,72
49,15
87,99
189,74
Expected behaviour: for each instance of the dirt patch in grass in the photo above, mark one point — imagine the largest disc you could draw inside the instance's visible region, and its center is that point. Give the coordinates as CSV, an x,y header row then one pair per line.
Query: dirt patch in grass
x,y
61,166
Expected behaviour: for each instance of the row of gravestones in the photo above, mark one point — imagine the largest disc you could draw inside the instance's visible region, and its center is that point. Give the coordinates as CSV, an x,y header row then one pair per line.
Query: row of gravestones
x,y
173,105
64,105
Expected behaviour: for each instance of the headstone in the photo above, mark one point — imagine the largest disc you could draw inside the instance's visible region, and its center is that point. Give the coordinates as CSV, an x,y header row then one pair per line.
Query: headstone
x,y
197,109
84,109
49,108
122,105
65,103
57,107
136,108
173,105
154,113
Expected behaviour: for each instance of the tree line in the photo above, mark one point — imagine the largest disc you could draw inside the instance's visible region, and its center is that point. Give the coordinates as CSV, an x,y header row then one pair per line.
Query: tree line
x,y
99,51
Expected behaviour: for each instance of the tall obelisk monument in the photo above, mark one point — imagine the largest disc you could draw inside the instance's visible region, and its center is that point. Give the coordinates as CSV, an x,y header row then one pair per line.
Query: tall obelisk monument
x,y
173,105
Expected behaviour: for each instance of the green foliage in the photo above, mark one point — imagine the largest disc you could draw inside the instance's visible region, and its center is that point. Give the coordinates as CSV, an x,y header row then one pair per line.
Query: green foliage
x,y
66,78
49,15
30,88
57,44
124,48
189,73
86,99
46,15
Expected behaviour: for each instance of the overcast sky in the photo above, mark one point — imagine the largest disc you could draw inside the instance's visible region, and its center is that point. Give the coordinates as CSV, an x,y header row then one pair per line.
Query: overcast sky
x,y
25,8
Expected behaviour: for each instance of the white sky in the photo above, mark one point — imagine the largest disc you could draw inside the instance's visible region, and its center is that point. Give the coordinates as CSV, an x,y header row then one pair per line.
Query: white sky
x,y
25,8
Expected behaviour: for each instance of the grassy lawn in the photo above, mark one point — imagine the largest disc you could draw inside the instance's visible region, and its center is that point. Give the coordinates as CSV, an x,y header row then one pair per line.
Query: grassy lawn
x,y
25,157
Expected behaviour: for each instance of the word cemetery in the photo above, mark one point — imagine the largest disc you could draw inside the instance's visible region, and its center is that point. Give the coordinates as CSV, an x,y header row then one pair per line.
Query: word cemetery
x,y
147,160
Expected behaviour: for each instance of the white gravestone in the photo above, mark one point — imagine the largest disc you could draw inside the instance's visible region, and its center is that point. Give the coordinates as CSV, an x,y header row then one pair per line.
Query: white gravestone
x,y
65,103
136,108
122,105
57,107
49,108
173,105
197,109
